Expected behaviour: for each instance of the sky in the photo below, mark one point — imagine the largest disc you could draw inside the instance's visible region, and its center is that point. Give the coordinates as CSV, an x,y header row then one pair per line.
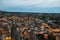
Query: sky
x,y
42,6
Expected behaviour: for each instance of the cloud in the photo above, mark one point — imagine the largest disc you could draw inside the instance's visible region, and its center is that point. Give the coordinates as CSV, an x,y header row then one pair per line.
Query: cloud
x,y
37,3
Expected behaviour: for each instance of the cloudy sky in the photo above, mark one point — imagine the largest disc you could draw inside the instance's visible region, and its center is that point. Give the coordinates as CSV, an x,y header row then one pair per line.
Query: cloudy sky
x,y
47,6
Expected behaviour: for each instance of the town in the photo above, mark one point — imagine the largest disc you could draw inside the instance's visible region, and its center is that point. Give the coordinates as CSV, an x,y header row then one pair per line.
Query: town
x,y
29,26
